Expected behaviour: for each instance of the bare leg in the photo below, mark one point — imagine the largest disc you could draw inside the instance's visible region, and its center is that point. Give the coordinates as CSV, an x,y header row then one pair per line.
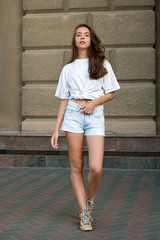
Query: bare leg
x,y
75,150
96,150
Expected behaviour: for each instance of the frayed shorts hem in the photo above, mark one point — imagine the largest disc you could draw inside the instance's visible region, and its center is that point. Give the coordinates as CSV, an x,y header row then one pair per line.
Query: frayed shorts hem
x,y
86,134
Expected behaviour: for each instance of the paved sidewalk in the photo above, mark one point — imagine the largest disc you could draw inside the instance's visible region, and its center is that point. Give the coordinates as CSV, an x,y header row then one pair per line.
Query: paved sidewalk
x,y
38,204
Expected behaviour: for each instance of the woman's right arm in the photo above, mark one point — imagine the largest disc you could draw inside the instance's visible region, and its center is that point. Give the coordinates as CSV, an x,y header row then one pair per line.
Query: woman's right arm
x,y
61,111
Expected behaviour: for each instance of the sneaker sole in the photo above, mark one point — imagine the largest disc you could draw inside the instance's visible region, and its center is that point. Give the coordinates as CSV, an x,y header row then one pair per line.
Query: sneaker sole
x,y
86,228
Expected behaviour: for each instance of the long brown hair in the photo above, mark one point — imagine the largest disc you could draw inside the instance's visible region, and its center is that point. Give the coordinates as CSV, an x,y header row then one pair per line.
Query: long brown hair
x,y
96,54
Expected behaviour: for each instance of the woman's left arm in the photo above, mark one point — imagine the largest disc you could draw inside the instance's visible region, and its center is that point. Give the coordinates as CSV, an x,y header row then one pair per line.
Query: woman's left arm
x,y
91,105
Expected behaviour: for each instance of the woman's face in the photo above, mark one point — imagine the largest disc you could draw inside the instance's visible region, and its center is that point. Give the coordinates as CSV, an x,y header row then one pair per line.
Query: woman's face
x,y
82,38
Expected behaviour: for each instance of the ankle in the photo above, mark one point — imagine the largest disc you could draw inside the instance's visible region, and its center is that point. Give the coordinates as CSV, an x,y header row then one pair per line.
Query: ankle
x,y
81,210
88,198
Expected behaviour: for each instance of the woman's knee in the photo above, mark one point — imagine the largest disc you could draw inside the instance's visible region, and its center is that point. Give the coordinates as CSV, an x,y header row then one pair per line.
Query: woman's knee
x,y
76,168
96,171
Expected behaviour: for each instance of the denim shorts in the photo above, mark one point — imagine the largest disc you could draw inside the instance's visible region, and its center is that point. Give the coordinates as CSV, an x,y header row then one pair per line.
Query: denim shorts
x,y
77,122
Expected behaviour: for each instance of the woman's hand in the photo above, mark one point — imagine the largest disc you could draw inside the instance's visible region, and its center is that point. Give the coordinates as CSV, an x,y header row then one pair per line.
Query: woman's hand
x,y
54,140
90,106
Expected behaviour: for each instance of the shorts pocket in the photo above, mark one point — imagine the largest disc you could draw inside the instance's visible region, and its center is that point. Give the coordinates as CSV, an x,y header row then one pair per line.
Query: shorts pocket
x,y
98,113
68,116
98,118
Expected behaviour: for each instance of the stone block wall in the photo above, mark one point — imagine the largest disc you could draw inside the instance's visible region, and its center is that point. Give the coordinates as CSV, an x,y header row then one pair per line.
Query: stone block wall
x,y
127,31
10,65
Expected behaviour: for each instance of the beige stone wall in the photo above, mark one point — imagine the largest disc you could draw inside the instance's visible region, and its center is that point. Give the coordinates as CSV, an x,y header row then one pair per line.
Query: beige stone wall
x,y
127,30
157,66
10,65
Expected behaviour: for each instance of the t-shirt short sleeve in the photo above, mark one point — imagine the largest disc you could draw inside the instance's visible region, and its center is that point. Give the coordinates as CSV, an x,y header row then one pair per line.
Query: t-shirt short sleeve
x,y
62,90
110,83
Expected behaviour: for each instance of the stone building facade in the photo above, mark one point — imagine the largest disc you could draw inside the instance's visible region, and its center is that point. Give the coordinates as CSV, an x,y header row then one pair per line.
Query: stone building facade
x,y
35,43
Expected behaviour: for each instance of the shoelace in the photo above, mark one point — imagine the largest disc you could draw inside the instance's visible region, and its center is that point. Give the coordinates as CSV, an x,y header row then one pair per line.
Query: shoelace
x,y
90,204
86,217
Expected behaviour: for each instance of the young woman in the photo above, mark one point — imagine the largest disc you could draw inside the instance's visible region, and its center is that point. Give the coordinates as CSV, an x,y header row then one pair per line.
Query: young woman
x,y
85,84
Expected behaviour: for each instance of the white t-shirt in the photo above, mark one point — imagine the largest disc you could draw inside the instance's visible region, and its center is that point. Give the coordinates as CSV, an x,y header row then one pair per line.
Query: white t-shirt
x,y
74,81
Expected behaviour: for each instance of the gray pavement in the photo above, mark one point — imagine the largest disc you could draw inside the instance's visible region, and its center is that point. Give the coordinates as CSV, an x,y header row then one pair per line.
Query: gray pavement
x,y
38,204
